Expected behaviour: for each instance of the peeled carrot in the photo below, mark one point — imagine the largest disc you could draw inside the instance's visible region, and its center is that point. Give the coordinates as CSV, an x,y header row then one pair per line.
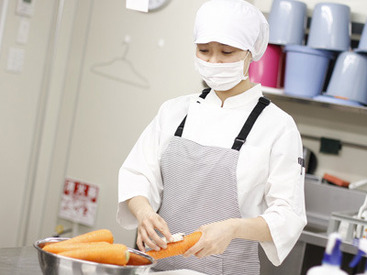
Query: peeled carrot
x,y
72,246
116,254
136,259
102,235
176,248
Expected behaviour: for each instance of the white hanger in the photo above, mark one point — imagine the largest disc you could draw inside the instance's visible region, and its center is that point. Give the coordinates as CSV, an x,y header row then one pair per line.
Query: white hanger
x,y
113,69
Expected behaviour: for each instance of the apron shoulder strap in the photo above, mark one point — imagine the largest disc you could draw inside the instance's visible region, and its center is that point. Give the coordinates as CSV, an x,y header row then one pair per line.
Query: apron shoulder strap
x,y
180,128
242,136
204,93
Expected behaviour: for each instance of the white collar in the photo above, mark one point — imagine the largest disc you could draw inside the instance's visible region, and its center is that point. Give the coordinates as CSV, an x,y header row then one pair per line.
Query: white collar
x,y
248,97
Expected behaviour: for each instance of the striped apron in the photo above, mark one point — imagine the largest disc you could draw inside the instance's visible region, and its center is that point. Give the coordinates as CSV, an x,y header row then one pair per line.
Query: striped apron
x,y
200,187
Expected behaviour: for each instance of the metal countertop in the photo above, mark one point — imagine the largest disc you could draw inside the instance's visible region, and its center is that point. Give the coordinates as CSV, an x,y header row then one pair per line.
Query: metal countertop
x,y
320,239
19,261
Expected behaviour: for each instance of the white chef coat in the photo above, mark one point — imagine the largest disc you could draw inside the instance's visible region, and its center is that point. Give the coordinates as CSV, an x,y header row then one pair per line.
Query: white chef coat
x,y
269,176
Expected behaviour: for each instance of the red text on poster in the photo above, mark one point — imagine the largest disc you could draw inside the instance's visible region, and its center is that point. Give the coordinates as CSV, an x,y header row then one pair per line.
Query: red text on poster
x,y
79,202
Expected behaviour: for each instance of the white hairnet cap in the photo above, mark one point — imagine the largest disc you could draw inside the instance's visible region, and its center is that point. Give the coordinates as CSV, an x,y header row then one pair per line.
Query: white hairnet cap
x,y
236,23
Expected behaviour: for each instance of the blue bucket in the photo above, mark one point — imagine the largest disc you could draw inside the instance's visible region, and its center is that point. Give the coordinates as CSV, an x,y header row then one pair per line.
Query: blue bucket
x,y
330,27
362,45
334,100
348,79
305,70
287,22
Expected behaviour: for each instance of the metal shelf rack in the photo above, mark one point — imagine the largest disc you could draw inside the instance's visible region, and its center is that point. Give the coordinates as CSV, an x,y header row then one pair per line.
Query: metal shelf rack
x,y
277,94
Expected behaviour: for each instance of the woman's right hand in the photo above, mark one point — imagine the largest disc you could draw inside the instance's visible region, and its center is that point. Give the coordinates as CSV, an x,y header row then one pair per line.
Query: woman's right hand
x,y
148,222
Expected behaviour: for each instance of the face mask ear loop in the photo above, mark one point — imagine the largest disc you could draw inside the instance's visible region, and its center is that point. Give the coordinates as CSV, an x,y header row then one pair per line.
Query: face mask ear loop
x,y
248,67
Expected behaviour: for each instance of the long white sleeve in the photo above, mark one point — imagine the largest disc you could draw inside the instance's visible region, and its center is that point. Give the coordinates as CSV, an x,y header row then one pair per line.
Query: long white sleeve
x,y
284,197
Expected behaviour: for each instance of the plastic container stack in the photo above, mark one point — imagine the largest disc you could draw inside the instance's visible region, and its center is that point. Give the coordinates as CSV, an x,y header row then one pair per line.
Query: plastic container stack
x,y
287,23
322,65
307,66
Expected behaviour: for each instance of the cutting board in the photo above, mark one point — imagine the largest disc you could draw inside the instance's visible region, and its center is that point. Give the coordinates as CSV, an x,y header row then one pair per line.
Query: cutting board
x,y
177,272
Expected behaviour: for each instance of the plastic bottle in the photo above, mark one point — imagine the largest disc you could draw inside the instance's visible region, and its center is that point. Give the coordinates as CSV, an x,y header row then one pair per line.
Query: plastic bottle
x,y
332,258
362,250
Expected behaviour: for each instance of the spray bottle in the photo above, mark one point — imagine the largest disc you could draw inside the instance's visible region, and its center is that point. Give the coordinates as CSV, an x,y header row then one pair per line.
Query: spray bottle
x,y
362,250
332,258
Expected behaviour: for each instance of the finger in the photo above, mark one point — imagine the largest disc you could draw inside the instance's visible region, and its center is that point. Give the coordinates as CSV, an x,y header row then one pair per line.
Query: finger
x,y
148,241
194,249
155,238
140,244
201,254
207,251
163,228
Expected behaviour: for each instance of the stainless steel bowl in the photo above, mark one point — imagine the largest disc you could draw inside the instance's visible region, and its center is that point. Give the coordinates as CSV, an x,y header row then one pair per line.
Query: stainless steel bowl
x,y
53,264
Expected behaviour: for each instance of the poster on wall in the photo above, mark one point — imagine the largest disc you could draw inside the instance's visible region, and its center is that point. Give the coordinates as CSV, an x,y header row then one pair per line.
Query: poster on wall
x,y
3,11
79,202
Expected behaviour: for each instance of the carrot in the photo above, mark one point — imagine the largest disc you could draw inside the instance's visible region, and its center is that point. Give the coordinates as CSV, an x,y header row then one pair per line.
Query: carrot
x,y
102,235
176,248
71,246
136,259
116,254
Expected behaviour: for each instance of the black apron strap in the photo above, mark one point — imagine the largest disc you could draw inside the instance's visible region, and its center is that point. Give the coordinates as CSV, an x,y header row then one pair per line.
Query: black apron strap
x,y
180,128
241,138
204,93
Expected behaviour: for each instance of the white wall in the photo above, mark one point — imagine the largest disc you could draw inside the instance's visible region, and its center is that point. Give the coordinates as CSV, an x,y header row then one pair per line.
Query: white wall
x,y
86,124
110,114
21,110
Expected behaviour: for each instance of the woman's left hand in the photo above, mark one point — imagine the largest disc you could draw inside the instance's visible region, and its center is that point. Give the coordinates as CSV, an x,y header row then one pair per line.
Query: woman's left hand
x,y
214,240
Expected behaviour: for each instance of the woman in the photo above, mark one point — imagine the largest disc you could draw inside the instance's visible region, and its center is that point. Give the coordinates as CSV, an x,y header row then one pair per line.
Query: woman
x,y
226,162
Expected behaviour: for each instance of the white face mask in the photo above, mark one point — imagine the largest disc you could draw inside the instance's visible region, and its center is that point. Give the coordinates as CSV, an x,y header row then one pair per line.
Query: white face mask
x,y
221,76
